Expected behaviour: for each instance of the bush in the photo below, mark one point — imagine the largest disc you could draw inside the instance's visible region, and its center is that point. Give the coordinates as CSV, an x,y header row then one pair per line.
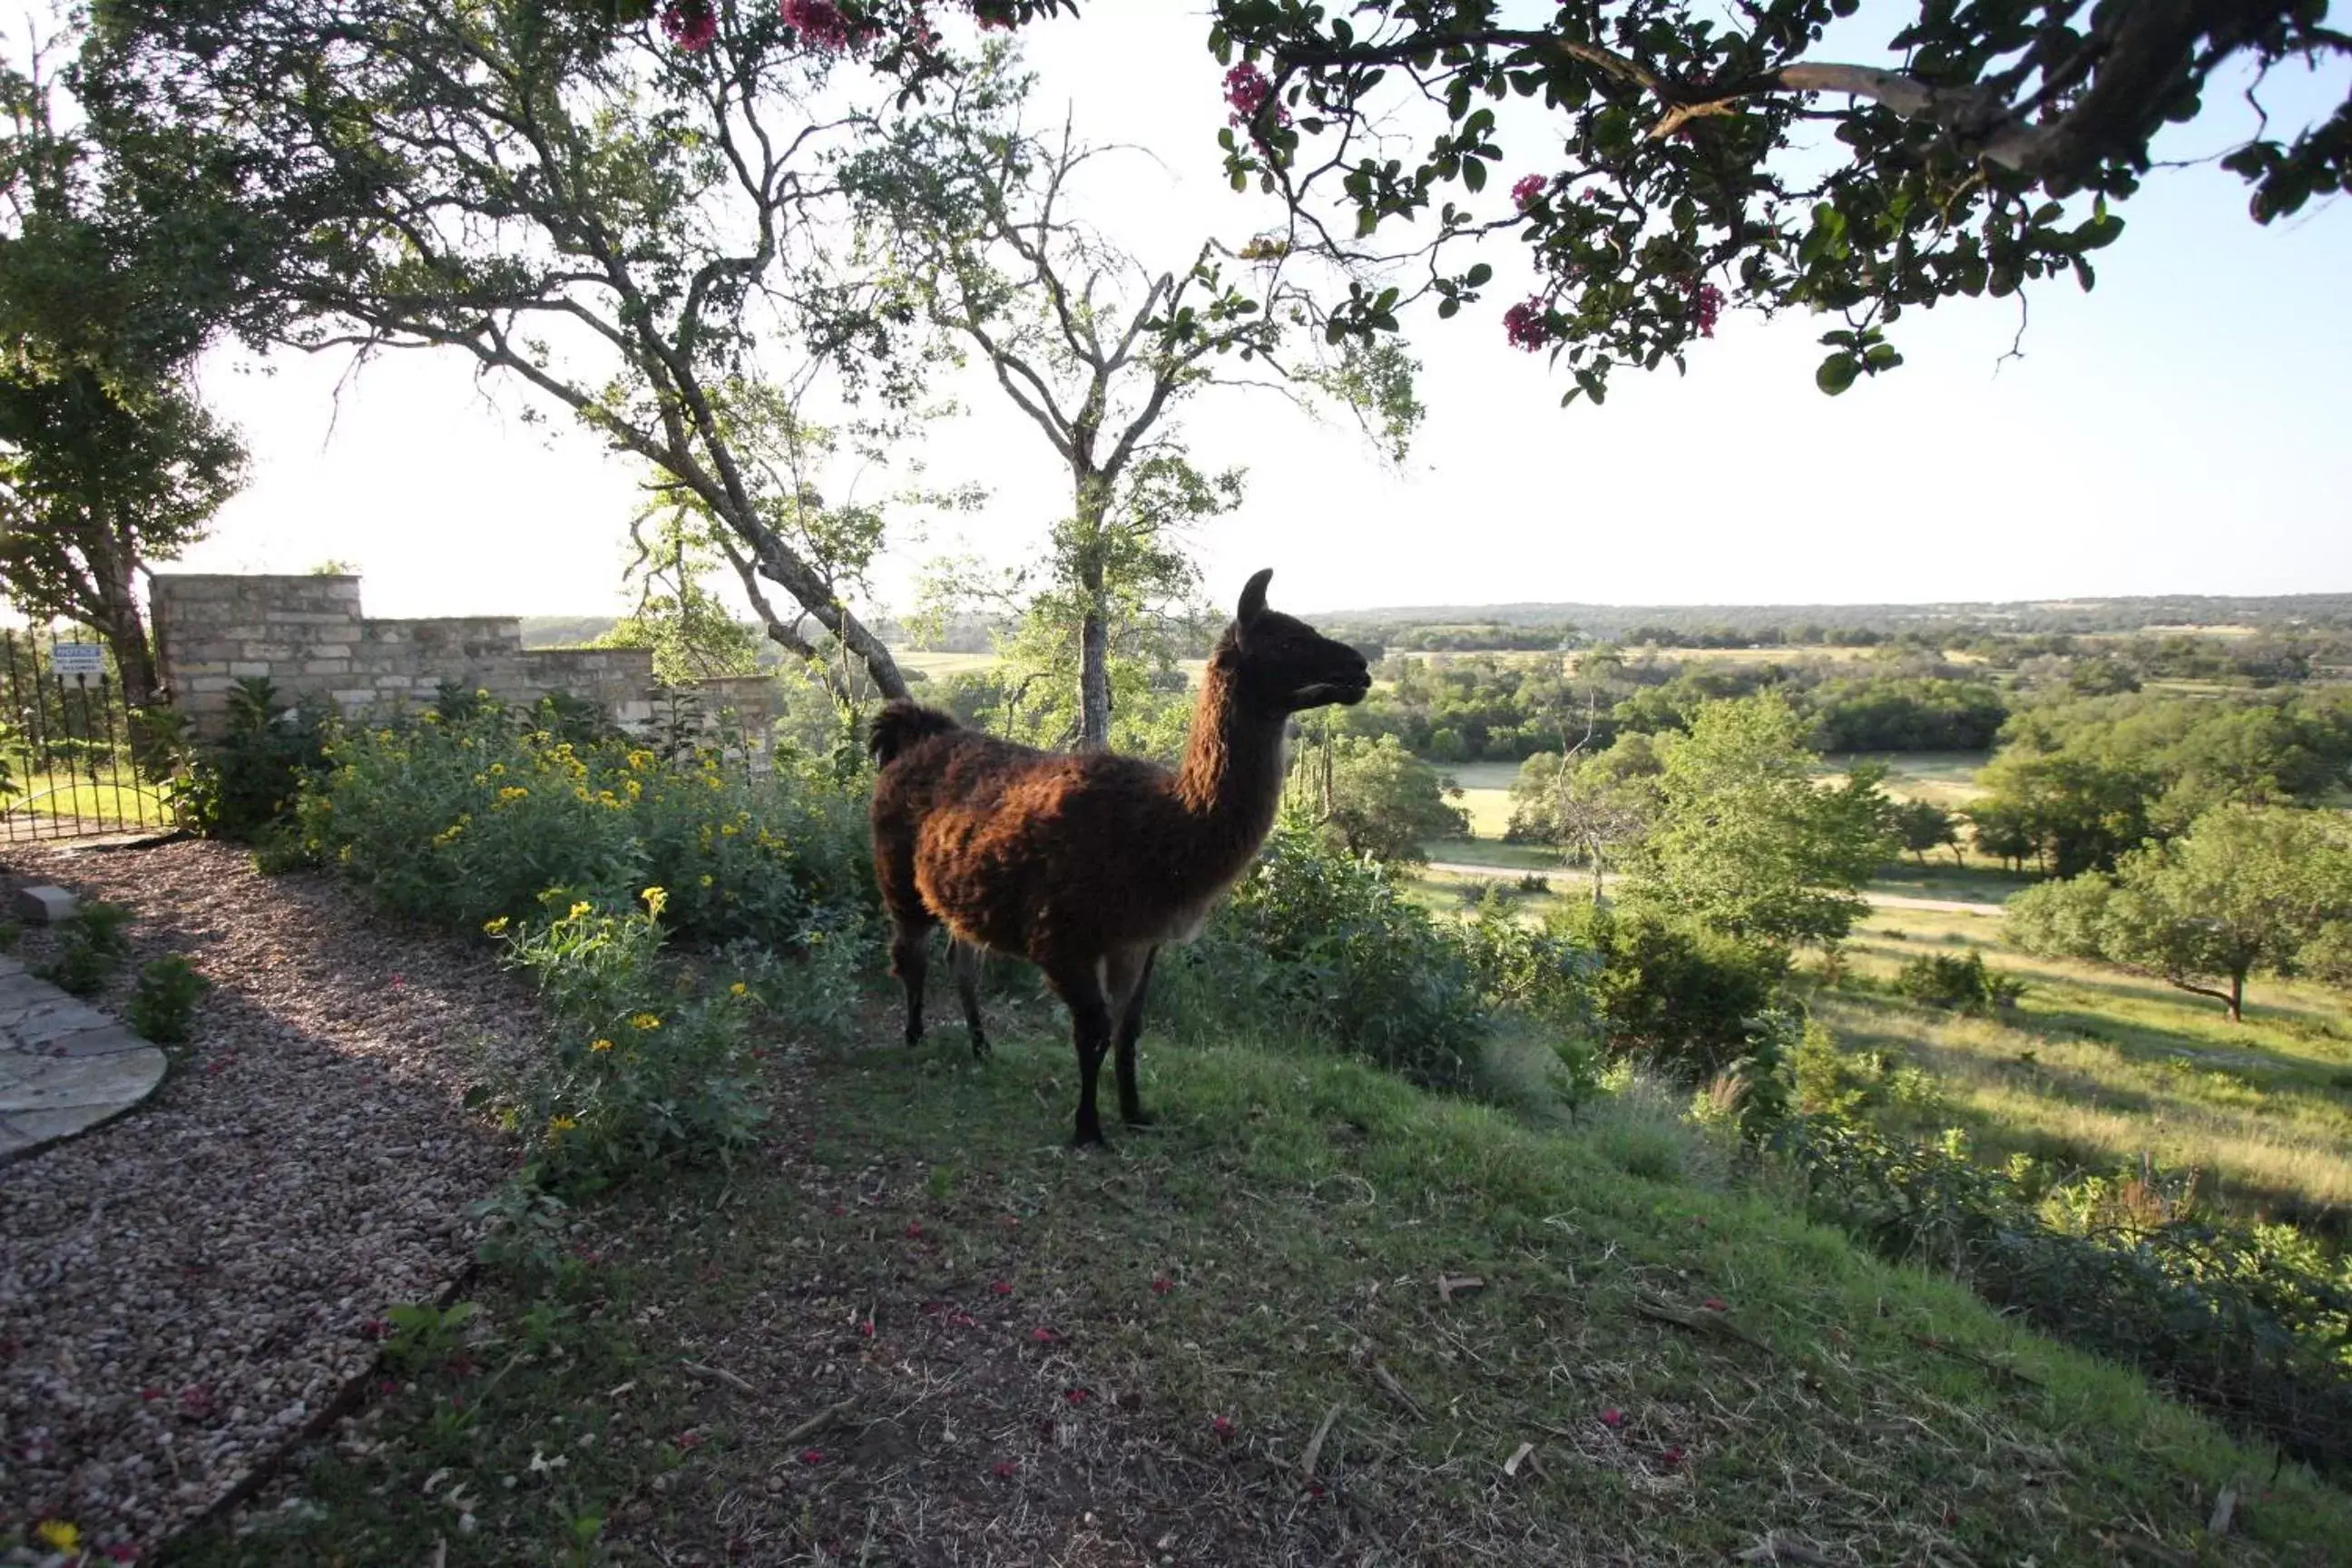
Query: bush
x,y
2253,1323
165,1002
1961,985
238,787
469,820
639,1076
1676,995
1316,942
90,947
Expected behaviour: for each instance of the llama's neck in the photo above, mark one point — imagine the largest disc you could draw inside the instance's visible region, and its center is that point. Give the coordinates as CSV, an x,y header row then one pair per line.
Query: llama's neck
x,y
1230,780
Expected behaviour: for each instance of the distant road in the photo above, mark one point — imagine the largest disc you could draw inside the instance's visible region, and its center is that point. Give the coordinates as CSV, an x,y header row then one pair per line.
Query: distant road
x,y
1876,900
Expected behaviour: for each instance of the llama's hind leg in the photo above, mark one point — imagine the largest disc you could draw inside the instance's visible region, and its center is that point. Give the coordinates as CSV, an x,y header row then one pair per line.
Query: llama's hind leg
x,y
1080,987
911,943
1130,1027
964,959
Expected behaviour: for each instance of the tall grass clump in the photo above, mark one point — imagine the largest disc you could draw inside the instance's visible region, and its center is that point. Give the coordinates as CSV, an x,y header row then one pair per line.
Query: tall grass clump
x,y
469,819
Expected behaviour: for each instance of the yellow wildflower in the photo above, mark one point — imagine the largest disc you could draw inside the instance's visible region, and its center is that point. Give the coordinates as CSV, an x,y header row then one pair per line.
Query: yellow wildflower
x,y
600,1044
498,770
637,790
644,1021
727,830
655,898
582,908
59,1536
557,1126
514,792
495,926
706,879
738,989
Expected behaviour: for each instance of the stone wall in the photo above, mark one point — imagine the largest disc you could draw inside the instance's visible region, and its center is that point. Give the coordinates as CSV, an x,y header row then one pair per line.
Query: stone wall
x,y
307,635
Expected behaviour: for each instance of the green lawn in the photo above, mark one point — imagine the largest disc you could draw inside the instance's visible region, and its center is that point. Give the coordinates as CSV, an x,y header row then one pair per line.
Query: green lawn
x,y
917,1328
111,799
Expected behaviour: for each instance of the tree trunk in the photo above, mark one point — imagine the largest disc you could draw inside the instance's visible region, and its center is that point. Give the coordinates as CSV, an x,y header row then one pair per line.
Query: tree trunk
x,y
1094,678
2238,997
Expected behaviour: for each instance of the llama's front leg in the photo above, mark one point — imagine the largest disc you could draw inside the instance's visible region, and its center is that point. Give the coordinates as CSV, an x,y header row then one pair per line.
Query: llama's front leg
x,y
1080,987
909,959
1130,1027
964,959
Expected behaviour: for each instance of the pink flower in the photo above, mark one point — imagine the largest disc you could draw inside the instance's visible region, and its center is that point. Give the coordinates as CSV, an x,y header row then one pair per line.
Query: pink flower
x,y
688,1440
819,22
691,24
1245,91
1612,1419
867,1328
914,1230
999,1288
1524,326
1714,1304
1706,305
1527,190
1043,1336
1223,1427
1005,1468
1672,1455
1077,1395
1162,1286
812,1457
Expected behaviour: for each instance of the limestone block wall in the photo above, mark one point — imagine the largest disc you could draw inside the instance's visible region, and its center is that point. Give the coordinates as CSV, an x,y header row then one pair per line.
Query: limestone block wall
x,y
307,636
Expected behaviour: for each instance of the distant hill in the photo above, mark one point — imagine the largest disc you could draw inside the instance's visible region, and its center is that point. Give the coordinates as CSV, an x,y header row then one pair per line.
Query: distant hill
x,y
564,631
2278,613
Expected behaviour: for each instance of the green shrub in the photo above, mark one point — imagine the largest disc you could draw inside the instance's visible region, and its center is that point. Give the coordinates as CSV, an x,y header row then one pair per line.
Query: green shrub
x,y
1318,943
1674,995
90,947
640,1075
472,820
1961,985
239,787
165,1002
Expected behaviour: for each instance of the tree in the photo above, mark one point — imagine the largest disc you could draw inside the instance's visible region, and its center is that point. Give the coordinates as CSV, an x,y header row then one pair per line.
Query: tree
x,y
1698,158
690,631
1921,826
1093,345
2243,890
1593,807
1746,843
108,459
1375,798
629,221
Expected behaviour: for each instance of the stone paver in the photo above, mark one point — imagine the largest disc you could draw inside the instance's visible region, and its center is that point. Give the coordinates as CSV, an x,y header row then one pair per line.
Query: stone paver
x,y
64,1066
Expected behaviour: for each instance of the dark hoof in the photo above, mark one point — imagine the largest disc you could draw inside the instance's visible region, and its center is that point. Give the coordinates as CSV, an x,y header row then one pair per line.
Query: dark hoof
x,y
1088,1137
981,1050
1139,1117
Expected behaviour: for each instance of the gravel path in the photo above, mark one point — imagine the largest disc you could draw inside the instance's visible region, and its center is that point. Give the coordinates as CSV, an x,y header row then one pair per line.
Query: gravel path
x,y
184,1289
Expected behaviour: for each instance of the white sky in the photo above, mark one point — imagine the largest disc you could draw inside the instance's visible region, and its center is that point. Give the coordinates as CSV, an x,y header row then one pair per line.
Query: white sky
x,y
2183,429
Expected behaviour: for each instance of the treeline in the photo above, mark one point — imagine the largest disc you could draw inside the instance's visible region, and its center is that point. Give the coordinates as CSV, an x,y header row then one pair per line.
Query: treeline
x,y
1678,623
1495,711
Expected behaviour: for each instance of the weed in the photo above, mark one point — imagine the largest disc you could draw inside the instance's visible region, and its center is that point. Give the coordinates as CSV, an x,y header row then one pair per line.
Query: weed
x,y
91,945
164,1003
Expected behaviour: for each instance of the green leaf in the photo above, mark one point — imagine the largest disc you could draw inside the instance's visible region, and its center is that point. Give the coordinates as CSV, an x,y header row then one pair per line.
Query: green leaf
x,y
1836,373
1478,277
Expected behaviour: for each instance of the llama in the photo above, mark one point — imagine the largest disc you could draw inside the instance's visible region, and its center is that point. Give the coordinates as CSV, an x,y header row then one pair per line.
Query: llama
x,y
1086,864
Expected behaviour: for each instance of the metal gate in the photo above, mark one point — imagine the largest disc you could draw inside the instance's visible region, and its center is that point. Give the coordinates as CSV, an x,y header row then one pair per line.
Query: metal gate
x,y
66,768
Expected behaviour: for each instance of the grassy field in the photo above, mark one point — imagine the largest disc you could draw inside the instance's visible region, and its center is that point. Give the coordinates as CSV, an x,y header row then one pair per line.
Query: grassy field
x,y
1315,1316
2096,1067
1946,778
939,666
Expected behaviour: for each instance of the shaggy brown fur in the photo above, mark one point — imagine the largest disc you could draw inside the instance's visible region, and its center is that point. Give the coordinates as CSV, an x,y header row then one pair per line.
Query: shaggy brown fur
x,y
1086,864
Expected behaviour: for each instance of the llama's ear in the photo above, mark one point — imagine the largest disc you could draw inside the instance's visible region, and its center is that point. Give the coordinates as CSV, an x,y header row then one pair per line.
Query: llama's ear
x,y
1253,603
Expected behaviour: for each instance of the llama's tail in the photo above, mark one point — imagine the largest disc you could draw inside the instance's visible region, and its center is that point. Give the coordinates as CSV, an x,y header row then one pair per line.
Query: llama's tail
x,y
900,724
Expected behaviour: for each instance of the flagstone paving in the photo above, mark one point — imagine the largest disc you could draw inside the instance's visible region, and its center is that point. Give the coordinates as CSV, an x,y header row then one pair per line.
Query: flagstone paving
x,y
64,1066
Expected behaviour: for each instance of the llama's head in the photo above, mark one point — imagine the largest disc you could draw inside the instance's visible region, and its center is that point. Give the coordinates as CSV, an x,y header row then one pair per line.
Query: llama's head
x,y
1279,664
